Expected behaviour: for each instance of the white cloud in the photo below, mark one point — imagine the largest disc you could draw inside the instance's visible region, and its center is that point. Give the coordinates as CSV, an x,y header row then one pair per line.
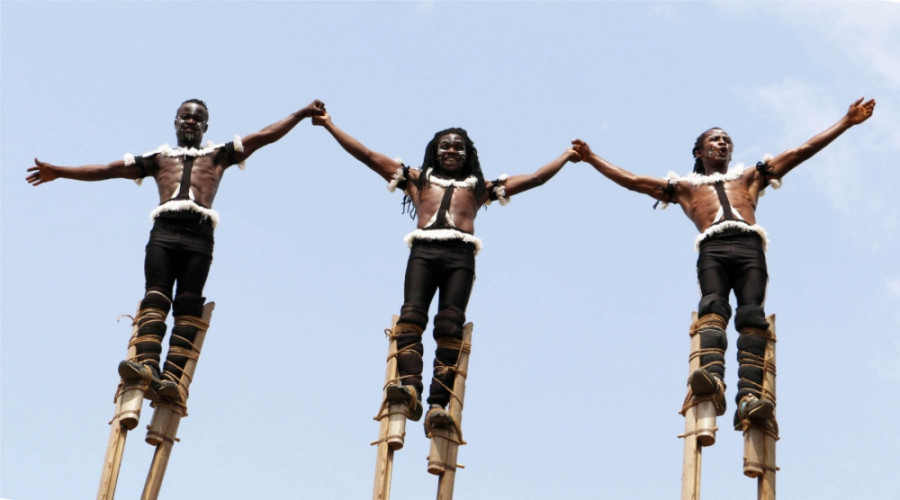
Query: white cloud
x,y
865,32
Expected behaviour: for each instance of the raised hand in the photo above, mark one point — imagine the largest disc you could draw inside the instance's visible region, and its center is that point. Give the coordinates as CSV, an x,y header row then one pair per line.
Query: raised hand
x,y
40,173
860,112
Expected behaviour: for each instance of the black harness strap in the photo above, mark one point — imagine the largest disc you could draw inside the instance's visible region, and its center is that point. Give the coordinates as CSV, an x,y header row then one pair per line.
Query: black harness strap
x,y
185,189
441,220
723,200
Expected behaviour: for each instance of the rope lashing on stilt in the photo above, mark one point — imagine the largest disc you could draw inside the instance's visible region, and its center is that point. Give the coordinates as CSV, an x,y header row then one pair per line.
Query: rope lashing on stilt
x,y
709,321
392,335
765,364
462,347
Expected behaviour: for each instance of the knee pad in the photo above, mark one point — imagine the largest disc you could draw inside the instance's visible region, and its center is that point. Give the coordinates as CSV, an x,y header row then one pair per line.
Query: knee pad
x,y
750,317
188,304
157,299
752,344
714,342
448,323
715,304
415,313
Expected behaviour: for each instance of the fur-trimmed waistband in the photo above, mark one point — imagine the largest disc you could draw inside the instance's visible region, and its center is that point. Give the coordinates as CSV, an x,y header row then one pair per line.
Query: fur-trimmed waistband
x,y
730,226
442,235
185,205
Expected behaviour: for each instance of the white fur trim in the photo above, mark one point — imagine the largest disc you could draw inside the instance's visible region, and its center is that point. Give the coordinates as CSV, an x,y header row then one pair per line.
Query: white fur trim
x,y
397,178
729,224
442,235
129,161
468,183
185,205
695,179
775,183
239,147
500,191
670,176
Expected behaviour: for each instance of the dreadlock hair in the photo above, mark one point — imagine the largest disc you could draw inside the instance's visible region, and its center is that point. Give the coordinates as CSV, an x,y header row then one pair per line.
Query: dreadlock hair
x,y
195,101
698,145
471,167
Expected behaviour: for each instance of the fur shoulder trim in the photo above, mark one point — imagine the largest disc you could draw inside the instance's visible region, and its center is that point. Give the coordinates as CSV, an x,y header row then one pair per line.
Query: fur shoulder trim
x,y
442,235
185,205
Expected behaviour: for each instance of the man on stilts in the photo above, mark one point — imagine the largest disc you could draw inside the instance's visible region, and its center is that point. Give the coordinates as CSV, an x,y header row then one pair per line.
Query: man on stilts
x,y
721,202
180,247
445,195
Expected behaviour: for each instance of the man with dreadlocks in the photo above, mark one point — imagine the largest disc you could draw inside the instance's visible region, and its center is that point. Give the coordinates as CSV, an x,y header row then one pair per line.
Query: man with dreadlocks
x,y
181,241
721,202
445,194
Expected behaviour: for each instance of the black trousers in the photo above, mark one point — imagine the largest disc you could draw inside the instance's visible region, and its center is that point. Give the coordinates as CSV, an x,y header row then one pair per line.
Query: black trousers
x,y
733,260
446,268
180,251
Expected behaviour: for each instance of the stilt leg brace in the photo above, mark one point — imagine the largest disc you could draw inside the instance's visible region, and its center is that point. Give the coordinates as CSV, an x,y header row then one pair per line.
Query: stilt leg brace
x,y
445,441
409,355
151,328
753,367
760,435
711,354
182,357
448,334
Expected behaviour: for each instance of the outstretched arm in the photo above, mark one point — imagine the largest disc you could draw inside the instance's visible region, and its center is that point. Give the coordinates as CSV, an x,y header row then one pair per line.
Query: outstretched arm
x,y
653,186
277,130
381,164
43,172
518,183
786,161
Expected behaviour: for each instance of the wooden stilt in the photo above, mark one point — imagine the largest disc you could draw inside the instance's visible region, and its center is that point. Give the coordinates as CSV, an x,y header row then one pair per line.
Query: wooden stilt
x,y
693,447
128,400
392,428
445,442
167,415
759,442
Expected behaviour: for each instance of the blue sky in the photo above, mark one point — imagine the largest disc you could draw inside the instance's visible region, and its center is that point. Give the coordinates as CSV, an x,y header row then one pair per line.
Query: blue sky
x,y
584,294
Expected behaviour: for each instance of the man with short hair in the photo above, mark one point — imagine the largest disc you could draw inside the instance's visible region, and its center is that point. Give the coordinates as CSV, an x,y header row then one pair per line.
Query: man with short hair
x,y
721,202
181,242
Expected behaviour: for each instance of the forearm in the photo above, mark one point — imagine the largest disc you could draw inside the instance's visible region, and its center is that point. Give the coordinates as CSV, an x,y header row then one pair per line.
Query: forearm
x,y
784,162
96,172
641,184
350,144
518,183
272,133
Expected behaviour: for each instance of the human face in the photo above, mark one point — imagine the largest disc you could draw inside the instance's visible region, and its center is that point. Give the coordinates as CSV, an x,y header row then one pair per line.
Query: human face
x,y
451,153
717,147
191,122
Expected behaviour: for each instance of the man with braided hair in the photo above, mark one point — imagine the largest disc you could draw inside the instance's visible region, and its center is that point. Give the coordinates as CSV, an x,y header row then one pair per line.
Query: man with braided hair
x,y
181,241
721,202
444,195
